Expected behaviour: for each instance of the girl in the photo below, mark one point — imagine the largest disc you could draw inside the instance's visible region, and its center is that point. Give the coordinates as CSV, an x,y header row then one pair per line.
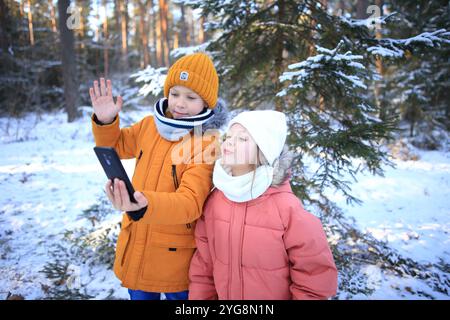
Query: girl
x,y
255,240
156,241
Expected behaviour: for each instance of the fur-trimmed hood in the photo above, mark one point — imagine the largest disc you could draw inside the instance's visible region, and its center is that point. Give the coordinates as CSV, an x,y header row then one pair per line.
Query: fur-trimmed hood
x,y
221,116
282,167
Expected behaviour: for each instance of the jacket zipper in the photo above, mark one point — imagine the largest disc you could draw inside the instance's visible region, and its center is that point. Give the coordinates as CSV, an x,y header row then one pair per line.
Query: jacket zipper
x,y
174,176
139,157
175,183
241,252
230,264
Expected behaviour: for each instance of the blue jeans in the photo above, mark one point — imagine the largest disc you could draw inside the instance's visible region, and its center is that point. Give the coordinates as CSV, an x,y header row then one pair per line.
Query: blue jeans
x,y
143,295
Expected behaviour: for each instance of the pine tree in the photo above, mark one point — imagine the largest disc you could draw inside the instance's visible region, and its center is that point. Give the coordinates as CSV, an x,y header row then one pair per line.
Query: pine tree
x,y
29,74
334,117
421,80
68,63
344,126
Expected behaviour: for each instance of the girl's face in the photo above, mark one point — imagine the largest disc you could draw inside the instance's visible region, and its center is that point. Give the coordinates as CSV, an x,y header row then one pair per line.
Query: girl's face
x,y
239,149
183,102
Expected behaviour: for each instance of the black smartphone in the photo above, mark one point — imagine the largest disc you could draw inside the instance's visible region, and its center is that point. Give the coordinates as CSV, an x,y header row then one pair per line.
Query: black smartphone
x,y
113,167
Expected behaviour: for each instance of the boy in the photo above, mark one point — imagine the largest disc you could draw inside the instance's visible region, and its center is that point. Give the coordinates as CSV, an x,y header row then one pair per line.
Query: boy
x,y
156,241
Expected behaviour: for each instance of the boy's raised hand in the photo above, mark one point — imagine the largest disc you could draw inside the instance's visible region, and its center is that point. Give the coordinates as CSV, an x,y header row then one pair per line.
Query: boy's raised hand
x,y
103,103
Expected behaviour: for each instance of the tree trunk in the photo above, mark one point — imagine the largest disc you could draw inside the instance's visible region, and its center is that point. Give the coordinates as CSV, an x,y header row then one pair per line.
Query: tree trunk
x,y
192,28
68,62
22,12
189,28
30,23
123,5
105,41
379,65
143,32
169,33
183,41
361,9
81,30
52,16
97,18
175,40
278,70
117,17
163,13
152,33
340,8
5,38
159,57
201,31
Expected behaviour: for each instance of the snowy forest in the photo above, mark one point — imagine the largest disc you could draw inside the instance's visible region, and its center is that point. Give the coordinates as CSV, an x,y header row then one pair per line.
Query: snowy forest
x,y
364,85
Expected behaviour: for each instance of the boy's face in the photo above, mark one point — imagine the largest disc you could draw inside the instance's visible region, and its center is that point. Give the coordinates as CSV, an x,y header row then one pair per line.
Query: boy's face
x,y
183,102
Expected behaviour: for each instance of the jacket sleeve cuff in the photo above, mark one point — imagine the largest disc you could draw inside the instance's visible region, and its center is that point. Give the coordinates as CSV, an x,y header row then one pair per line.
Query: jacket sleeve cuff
x,y
137,214
98,122
105,135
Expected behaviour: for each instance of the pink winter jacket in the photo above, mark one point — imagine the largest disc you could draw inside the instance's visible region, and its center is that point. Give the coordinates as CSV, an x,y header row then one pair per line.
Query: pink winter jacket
x,y
266,248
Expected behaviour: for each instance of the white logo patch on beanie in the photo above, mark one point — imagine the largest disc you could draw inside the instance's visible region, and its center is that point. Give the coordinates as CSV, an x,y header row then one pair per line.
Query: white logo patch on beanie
x,y
184,76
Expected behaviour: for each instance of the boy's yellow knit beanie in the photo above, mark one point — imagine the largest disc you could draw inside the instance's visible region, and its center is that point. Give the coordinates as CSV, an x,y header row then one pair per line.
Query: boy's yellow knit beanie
x,y
195,71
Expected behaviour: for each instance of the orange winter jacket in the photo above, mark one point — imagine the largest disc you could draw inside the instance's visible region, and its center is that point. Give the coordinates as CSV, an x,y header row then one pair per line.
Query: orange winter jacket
x,y
153,254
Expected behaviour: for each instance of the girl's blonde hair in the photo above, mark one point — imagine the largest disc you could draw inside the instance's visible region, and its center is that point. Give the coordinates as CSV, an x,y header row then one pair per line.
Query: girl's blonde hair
x,y
260,161
281,166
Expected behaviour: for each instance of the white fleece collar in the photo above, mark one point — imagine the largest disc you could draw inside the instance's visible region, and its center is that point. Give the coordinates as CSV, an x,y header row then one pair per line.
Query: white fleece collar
x,y
239,188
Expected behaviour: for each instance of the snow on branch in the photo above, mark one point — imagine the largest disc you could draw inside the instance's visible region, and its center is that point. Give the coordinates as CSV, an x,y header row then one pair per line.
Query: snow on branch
x,y
182,51
428,38
386,52
153,79
395,48
188,2
369,22
326,64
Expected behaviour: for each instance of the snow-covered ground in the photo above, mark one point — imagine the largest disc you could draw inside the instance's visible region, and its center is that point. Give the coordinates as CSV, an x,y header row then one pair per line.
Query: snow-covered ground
x,y
49,174
409,208
46,181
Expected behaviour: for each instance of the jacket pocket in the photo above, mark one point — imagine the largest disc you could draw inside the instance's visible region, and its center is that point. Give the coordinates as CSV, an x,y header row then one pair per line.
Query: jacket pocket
x,y
159,239
123,244
168,257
